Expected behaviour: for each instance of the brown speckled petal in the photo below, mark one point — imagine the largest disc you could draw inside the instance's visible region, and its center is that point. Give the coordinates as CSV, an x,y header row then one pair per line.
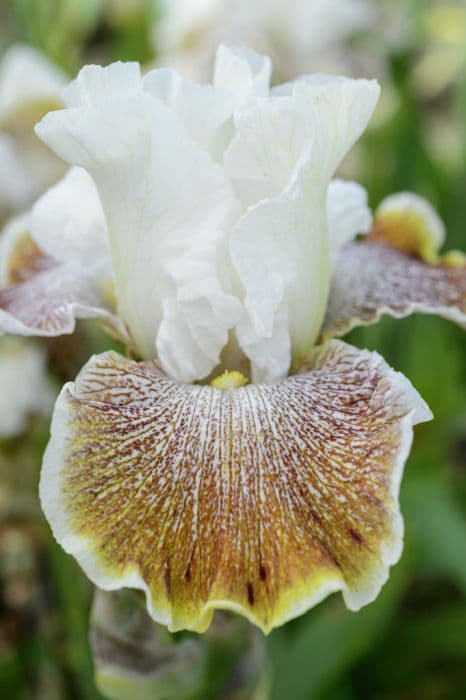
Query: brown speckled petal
x,y
262,500
371,280
44,297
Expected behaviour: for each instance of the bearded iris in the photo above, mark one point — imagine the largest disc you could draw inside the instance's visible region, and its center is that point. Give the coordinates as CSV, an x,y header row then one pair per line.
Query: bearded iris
x,y
201,225
29,87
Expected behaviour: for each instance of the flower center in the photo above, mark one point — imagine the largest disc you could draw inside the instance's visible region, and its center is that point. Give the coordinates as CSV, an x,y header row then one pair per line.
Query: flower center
x,y
229,380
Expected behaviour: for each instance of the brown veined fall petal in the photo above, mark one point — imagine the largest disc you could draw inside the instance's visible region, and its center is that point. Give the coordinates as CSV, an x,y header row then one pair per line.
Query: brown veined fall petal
x,y
371,280
42,297
262,500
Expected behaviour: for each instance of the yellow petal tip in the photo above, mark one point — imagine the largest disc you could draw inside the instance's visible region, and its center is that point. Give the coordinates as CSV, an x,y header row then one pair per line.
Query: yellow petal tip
x,y
454,258
409,223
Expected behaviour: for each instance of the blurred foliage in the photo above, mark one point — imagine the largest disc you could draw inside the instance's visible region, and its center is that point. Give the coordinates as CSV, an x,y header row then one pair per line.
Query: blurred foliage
x,y
411,643
75,31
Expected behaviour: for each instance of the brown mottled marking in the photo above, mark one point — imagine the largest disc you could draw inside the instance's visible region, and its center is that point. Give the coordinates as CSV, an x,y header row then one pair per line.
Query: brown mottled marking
x,y
26,260
46,297
187,575
263,498
371,280
356,536
250,589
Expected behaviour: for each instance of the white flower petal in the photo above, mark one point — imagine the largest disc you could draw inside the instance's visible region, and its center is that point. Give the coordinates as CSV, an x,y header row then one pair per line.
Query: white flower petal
x,y
340,109
269,352
280,251
24,386
15,185
246,73
274,137
321,24
280,247
68,223
198,318
271,140
304,27
203,109
12,235
183,18
97,85
348,214
164,198
27,79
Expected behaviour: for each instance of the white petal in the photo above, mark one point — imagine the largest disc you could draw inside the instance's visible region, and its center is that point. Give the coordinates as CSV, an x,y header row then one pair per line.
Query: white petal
x,y
272,138
164,199
242,71
348,214
12,234
24,386
68,223
15,185
27,77
327,114
341,109
322,24
183,18
198,319
280,251
95,85
280,247
29,86
269,354
203,109
305,27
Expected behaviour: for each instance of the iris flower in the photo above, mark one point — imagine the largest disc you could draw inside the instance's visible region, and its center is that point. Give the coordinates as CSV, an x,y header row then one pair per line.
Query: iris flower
x,y
240,457
297,28
331,35
24,387
30,86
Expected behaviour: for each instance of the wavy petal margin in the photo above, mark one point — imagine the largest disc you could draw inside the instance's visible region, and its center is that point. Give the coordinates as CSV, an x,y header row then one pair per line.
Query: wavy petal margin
x,y
45,298
371,280
262,500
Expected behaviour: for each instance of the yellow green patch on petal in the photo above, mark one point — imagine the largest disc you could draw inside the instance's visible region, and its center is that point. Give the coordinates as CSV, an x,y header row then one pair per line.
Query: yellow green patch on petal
x,y
454,258
25,259
409,223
